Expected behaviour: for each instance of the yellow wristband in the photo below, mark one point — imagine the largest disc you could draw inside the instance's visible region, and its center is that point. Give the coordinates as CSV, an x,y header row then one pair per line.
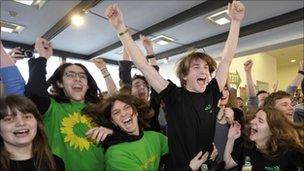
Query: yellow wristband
x,y
123,32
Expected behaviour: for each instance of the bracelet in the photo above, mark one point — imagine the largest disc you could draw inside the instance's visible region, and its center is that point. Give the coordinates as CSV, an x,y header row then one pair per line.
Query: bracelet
x,y
104,69
150,56
301,72
123,32
107,75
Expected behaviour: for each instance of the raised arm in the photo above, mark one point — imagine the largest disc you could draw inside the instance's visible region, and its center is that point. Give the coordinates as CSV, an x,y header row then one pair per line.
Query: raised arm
x,y
148,45
236,12
291,89
250,85
10,76
36,88
233,134
154,78
101,65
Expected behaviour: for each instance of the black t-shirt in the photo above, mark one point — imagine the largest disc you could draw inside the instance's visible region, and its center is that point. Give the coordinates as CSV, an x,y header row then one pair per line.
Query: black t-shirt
x,y
191,122
289,160
28,165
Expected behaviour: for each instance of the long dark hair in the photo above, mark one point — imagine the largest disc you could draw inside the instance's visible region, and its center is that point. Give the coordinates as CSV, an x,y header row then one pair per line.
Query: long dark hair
x,y
101,112
92,94
41,152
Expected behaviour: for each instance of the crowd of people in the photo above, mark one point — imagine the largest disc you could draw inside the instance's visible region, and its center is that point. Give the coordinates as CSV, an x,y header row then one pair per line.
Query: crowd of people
x,y
149,123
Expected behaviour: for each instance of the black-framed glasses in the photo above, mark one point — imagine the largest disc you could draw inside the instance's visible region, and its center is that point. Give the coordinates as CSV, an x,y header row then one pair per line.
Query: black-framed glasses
x,y
72,74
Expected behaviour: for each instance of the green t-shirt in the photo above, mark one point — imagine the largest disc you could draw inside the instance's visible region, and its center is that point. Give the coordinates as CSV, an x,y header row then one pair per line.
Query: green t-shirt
x,y
143,154
66,127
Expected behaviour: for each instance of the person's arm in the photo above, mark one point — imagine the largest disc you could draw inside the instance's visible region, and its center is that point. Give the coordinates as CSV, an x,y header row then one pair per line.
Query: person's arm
x,y
291,89
236,12
250,85
13,82
36,88
154,78
111,86
233,134
148,45
125,66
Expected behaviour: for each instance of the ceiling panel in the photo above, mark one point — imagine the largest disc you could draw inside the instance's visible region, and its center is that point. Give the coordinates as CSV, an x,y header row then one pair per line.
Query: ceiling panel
x,y
36,21
97,32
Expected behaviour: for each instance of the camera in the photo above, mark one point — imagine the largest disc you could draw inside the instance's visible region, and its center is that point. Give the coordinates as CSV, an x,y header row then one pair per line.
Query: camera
x,y
27,53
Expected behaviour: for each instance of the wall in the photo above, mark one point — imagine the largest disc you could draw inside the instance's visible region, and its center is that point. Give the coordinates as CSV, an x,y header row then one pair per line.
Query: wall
x,y
286,74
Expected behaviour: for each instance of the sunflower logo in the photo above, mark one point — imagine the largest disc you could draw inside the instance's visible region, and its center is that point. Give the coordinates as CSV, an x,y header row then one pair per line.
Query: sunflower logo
x,y
74,128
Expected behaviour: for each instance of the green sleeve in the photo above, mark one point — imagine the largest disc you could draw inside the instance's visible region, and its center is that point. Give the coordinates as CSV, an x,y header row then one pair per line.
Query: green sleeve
x,y
118,160
164,144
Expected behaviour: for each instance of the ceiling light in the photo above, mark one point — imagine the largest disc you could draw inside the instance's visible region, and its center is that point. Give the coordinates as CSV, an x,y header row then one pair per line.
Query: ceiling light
x,y
162,40
10,27
293,60
26,2
34,3
5,29
219,18
77,20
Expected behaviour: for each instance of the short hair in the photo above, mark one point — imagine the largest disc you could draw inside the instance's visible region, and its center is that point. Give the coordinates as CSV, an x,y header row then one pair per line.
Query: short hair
x,y
135,77
184,65
271,99
261,92
92,94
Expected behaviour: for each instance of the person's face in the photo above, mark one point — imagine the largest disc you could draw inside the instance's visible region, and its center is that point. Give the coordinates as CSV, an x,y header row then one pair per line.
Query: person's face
x,y
285,105
198,76
123,116
259,132
225,96
140,89
261,98
240,103
74,83
18,130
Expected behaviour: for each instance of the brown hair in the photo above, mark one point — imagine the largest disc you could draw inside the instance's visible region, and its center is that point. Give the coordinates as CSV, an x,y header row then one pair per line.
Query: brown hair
x,y
101,112
285,134
184,65
271,99
41,152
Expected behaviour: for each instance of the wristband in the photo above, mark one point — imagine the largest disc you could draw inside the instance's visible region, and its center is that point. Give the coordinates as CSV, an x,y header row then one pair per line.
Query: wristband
x,y
107,75
123,32
301,72
150,56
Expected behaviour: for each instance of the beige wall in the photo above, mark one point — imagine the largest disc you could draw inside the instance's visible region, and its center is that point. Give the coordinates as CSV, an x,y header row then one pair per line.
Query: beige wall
x,y
264,68
286,74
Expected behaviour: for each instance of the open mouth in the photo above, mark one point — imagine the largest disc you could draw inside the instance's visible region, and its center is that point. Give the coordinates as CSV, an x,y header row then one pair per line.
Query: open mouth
x,y
21,132
127,122
201,81
77,87
253,131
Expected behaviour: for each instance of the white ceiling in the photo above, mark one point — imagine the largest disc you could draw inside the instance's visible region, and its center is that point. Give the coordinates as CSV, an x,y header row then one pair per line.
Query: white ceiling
x,y
97,32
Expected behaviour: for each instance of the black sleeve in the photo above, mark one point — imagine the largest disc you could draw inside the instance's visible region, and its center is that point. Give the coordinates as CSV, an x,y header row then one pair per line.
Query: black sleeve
x,y
125,72
36,88
155,105
295,160
237,152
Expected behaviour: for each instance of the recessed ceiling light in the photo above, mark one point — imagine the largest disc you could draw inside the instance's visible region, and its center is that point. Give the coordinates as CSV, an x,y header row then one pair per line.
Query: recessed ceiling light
x,y
219,18
34,3
10,27
5,29
162,40
293,60
77,20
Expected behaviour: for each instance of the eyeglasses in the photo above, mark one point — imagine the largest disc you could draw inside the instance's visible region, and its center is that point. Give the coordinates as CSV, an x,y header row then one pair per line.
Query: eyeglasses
x,y
71,74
